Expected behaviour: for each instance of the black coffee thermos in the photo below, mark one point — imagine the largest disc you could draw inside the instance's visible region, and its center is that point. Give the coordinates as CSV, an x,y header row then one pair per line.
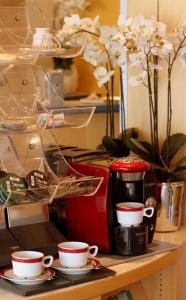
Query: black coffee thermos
x,y
128,175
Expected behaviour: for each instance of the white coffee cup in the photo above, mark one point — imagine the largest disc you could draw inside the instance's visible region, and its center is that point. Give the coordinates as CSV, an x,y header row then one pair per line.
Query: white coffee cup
x,y
75,254
30,263
42,38
132,213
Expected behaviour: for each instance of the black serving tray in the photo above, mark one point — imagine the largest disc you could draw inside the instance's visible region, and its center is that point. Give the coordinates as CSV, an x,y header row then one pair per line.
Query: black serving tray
x,y
59,281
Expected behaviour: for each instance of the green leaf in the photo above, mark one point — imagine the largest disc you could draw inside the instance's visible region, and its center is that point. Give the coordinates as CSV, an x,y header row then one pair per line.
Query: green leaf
x,y
147,146
179,169
101,147
180,162
111,145
128,133
177,140
135,147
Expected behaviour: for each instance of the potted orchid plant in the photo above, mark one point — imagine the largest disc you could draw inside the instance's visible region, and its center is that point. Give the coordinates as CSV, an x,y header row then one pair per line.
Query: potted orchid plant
x,y
105,48
146,45
154,50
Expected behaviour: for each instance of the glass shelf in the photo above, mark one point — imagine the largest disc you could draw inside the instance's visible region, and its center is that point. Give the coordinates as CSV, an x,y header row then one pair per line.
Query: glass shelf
x,y
26,109
16,55
18,31
68,52
25,113
73,117
22,124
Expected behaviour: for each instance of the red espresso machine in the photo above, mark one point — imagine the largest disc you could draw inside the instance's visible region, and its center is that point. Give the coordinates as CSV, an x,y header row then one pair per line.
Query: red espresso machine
x,y
89,218
93,218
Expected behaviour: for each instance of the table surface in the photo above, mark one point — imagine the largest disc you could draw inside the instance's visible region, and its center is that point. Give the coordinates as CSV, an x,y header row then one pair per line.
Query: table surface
x,y
126,274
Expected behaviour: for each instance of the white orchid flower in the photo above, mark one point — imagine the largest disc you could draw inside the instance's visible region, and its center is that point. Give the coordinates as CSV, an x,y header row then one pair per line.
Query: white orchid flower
x,y
137,58
115,48
137,80
117,53
73,20
182,51
102,75
182,61
61,35
94,54
163,48
107,33
69,29
71,24
122,58
123,23
89,24
161,28
80,39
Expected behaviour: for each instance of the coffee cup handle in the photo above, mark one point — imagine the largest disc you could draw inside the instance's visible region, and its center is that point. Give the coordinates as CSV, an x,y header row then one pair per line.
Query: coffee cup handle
x,y
94,253
47,264
148,215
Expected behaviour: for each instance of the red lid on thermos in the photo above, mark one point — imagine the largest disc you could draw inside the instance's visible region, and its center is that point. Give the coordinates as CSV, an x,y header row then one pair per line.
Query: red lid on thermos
x,y
129,164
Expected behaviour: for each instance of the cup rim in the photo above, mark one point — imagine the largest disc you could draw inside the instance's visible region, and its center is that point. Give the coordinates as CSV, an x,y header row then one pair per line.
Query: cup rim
x,y
67,247
129,206
16,257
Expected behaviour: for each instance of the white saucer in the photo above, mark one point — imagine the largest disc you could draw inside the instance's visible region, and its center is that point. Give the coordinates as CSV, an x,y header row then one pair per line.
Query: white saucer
x,y
9,275
93,263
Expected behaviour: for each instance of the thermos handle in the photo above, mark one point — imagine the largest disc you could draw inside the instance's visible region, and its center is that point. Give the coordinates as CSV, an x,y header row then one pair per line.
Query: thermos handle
x,y
150,210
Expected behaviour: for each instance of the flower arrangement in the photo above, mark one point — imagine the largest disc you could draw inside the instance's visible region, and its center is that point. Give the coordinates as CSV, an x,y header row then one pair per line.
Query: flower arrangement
x,y
62,9
104,48
145,44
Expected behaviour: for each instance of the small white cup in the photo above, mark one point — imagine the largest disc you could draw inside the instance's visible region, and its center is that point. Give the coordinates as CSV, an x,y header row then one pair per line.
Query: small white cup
x,y
132,213
75,254
42,38
29,263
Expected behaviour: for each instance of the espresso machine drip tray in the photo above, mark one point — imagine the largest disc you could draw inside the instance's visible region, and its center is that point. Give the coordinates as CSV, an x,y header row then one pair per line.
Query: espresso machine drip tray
x,y
29,224
42,237
8,245
27,227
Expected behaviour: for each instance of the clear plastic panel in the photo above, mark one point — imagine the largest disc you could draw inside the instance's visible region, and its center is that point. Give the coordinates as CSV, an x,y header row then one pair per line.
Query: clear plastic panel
x,y
20,164
24,37
26,108
71,182
29,195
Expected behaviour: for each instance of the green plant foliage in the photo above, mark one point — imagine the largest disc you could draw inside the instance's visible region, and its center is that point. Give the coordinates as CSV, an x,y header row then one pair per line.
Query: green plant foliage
x,y
117,147
168,171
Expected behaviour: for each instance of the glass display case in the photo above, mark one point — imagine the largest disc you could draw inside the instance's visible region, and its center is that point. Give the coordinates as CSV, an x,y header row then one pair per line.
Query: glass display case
x,y
26,117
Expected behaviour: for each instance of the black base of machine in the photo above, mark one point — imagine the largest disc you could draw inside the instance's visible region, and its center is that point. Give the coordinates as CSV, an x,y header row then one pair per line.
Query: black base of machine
x,y
130,240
